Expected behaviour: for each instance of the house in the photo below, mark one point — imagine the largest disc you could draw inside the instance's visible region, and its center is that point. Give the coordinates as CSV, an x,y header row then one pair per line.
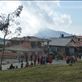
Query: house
x,y
66,46
25,48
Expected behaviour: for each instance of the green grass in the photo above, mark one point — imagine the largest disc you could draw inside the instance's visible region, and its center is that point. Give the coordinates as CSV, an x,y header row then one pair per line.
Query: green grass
x,y
44,73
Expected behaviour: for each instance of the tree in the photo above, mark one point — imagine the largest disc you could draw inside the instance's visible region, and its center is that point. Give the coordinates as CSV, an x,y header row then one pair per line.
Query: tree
x,y
4,24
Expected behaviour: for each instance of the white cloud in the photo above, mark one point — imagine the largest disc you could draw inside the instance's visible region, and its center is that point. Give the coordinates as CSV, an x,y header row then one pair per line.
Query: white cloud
x,y
63,20
74,30
37,15
8,6
29,22
48,16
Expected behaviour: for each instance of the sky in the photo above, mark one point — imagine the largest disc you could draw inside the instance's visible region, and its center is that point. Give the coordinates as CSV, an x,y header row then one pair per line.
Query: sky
x,y
37,15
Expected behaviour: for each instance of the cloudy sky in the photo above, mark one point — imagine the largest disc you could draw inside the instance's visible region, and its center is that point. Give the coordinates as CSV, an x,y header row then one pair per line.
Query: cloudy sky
x,y
37,15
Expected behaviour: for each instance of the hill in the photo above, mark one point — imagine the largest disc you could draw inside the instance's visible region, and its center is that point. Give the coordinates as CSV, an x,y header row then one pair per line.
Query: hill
x,y
48,33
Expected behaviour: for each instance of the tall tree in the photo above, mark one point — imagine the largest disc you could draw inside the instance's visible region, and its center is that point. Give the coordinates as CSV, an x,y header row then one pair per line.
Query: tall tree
x,y
4,25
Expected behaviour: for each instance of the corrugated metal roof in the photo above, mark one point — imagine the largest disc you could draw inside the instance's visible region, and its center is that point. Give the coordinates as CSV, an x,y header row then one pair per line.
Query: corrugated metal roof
x,y
59,41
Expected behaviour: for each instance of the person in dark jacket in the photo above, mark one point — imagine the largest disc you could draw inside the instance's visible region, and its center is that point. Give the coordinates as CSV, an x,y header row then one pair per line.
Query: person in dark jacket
x,y
11,66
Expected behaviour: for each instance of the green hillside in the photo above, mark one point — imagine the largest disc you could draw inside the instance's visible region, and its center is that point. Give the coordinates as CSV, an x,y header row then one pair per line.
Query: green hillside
x,y
44,73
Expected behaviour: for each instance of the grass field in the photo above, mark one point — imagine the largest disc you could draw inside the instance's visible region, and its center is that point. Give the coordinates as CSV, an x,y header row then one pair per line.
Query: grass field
x,y
44,73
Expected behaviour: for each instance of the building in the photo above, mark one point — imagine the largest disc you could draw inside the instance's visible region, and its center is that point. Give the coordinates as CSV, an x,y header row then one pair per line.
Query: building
x,y
25,48
66,46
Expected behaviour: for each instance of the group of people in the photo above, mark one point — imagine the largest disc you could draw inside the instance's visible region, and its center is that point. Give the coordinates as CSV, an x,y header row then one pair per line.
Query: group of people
x,y
34,61
11,66
43,60
71,59
40,59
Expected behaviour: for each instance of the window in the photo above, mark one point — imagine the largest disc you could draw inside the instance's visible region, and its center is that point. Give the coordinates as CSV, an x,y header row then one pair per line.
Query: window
x,y
39,44
33,45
